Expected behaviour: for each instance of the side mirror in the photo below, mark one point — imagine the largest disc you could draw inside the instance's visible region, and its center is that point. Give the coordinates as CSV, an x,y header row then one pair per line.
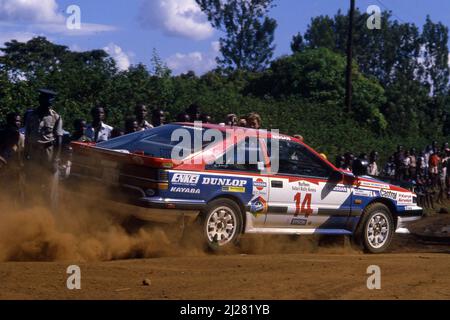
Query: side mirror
x,y
336,176
360,167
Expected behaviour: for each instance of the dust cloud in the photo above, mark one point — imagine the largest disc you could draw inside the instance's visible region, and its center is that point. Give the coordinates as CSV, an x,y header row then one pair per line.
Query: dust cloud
x,y
82,231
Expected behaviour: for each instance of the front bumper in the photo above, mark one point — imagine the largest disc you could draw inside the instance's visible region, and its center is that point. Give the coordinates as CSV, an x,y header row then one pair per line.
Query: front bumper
x,y
407,218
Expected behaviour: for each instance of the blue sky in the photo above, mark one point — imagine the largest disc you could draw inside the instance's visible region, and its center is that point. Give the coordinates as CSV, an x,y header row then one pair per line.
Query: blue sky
x,y
129,30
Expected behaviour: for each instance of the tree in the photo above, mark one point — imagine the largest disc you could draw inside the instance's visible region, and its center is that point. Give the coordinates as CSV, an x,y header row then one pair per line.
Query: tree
x,y
249,32
297,44
435,56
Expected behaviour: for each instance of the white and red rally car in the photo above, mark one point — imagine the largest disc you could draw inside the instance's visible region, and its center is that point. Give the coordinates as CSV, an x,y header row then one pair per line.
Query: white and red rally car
x,y
289,189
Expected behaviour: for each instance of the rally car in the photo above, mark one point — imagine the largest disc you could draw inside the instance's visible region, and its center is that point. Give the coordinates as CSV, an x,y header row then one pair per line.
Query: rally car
x,y
234,181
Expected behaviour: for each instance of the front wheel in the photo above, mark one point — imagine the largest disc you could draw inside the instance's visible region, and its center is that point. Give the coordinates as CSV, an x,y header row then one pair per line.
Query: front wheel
x,y
376,229
222,224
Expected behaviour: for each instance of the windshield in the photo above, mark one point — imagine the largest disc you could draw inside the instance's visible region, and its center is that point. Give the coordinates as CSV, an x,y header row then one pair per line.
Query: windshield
x,y
160,142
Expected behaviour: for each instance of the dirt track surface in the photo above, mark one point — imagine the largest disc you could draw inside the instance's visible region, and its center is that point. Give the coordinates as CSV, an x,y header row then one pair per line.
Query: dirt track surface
x,y
337,274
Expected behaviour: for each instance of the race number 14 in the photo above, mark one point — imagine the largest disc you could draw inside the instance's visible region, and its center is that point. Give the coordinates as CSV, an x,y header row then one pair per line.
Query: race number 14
x,y
303,205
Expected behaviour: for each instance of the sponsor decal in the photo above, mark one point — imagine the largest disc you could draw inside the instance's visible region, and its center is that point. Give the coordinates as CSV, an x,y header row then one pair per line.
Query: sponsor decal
x,y
363,193
224,182
259,184
234,189
340,189
280,137
371,184
299,222
304,186
185,179
258,206
405,198
388,194
185,190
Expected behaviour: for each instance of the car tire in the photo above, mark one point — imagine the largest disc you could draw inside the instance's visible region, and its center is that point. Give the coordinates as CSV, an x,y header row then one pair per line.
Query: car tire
x,y
222,224
376,229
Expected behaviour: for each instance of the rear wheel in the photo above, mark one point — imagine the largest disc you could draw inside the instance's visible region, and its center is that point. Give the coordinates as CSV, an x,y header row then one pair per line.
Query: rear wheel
x,y
222,224
376,230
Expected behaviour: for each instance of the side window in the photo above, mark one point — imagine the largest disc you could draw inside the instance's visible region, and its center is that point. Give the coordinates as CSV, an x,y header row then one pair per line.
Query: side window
x,y
296,159
243,156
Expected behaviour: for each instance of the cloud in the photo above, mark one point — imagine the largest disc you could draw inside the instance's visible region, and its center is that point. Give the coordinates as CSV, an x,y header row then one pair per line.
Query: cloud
x,y
86,29
122,59
196,61
180,18
31,11
44,15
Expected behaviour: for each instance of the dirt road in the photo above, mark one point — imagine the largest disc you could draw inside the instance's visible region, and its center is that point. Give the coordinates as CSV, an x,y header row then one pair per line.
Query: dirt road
x,y
410,272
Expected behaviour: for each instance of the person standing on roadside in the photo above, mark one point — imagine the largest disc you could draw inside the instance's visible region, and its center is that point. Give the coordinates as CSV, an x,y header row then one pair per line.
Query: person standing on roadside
x,y
43,143
98,130
141,112
158,118
373,166
254,121
12,145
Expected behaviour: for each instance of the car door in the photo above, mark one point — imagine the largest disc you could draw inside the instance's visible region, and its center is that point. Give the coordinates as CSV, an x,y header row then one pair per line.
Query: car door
x,y
303,193
245,159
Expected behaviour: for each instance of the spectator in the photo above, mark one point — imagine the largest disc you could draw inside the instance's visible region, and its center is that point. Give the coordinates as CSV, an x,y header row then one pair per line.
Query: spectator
x,y
421,166
194,112
448,174
12,144
390,168
412,164
254,121
442,176
406,165
158,118
141,112
131,125
183,117
348,161
98,131
79,133
299,137
231,120
427,156
435,161
43,134
116,132
399,163
206,118
242,123
340,161
373,167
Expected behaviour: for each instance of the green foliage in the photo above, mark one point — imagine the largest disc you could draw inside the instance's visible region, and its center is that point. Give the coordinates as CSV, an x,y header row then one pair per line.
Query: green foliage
x,y
249,32
400,81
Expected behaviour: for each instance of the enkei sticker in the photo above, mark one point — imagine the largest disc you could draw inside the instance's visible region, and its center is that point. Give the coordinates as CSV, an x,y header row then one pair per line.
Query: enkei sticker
x,y
185,178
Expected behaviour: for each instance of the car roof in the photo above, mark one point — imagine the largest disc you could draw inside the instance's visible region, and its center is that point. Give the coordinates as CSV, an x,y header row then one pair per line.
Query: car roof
x,y
248,131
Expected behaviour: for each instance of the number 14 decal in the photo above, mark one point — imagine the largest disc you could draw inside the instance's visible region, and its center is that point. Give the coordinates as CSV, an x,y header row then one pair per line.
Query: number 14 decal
x,y
305,207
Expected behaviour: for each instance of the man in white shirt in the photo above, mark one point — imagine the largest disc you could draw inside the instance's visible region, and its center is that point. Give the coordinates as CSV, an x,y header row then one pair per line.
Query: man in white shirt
x,y
98,131
141,112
